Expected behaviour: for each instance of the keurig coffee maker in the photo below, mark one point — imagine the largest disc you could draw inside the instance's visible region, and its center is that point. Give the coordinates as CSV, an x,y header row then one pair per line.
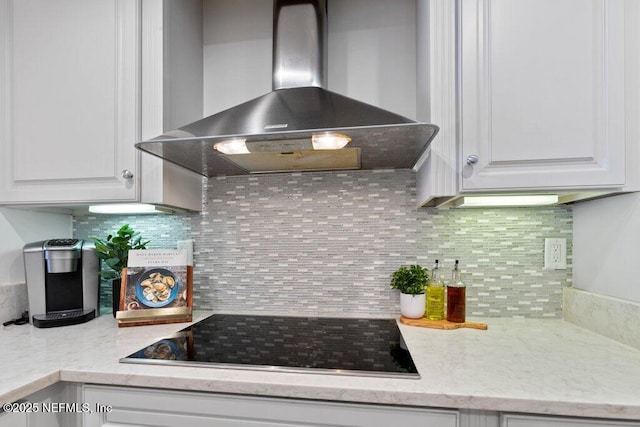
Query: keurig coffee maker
x,y
62,282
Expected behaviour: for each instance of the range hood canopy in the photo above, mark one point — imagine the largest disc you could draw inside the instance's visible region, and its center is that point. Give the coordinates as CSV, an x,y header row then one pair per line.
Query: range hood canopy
x,y
277,128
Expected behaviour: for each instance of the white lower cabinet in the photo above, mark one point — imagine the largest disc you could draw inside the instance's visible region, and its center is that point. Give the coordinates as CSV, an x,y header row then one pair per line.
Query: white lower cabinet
x,y
138,406
58,405
73,405
521,420
13,419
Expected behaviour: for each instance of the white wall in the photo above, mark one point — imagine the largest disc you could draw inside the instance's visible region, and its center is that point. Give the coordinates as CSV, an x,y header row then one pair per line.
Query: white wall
x,y
20,226
606,242
371,52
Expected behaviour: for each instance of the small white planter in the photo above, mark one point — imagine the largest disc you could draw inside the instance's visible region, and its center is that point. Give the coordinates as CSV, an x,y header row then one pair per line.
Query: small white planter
x,y
412,306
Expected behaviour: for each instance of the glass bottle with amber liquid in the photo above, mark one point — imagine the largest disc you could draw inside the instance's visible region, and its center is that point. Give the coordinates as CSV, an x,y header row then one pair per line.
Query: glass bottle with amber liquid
x,y
456,297
435,295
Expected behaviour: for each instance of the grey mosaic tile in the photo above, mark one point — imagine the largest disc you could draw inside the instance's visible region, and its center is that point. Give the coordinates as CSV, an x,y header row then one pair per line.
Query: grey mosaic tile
x,y
327,243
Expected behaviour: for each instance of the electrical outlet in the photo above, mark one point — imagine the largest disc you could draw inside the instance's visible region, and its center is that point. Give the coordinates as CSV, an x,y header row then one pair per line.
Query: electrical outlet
x,y
188,246
555,254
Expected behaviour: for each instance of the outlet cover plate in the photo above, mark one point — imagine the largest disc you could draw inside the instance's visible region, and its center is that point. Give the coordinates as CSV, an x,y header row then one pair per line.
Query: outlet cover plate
x,y
555,254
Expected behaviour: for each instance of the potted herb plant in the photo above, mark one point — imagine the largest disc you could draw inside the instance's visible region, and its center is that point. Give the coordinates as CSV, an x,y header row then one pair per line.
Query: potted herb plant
x,y
411,282
114,251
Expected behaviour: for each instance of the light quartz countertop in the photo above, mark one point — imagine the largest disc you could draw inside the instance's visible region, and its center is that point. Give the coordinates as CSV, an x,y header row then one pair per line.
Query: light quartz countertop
x,y
517,365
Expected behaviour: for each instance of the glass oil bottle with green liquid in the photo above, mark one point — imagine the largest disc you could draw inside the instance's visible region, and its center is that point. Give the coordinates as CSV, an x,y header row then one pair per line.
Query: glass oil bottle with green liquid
x,y
435,295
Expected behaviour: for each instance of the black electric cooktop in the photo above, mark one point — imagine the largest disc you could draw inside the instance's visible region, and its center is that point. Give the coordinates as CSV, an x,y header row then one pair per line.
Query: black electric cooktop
x,y
345,346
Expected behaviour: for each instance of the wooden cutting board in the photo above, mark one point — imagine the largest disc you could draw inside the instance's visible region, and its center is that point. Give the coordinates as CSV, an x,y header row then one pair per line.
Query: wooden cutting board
x,y
441,324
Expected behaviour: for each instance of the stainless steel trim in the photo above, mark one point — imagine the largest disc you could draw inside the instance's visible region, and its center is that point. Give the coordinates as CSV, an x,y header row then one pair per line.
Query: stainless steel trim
x,y
266,368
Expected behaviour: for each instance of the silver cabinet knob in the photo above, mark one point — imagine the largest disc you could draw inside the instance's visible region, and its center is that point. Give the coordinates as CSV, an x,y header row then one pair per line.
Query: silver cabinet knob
x,y
472,159
127,174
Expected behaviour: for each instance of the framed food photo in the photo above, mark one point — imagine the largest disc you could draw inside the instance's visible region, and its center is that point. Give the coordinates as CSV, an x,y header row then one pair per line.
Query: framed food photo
x,y
157,287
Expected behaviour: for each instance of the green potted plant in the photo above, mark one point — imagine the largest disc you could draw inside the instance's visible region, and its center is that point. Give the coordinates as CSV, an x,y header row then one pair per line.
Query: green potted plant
x,y
114,251
411,282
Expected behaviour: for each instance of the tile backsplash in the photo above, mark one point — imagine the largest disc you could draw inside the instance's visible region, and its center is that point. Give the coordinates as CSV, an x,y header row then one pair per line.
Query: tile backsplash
x,y
326,243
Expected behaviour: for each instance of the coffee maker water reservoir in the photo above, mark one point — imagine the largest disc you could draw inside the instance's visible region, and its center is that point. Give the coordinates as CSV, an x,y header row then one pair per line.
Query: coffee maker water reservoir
x,y
62,281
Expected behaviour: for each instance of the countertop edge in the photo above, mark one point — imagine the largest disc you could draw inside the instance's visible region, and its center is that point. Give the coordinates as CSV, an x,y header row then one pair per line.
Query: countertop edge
x,y
31,387
361,395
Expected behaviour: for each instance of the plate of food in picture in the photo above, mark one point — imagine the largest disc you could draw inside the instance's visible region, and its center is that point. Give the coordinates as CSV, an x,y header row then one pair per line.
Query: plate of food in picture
x,y
164,349
157,287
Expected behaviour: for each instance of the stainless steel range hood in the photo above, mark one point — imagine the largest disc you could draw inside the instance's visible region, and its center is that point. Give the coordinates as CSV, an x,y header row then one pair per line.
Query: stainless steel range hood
x,y
284,130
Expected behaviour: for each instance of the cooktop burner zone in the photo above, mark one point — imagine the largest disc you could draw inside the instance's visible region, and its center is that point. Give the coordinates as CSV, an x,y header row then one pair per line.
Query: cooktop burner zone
x,y
325,345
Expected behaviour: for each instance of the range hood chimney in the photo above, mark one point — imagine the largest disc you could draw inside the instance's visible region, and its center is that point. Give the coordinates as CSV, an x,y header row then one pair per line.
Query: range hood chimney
x,y
299,126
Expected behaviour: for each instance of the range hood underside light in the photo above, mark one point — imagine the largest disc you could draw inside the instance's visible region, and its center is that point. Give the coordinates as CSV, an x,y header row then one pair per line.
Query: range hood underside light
x,y
320,160
329,141
232,146
320,141
324,151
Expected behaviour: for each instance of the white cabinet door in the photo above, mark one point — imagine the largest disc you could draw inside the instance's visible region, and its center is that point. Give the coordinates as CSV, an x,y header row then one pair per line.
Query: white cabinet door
x,y
136,406
80,82
68,100
542,94
58,405
520,420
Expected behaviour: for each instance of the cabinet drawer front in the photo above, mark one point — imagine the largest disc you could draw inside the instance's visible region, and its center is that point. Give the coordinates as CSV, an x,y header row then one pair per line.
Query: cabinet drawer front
x,y
133,406
517,420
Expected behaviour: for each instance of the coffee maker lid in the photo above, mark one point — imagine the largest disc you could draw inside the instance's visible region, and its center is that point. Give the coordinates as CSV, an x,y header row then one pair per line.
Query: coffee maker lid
x,y
66,244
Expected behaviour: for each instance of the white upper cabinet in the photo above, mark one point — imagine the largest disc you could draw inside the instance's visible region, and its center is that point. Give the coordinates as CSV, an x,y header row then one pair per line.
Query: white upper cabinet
x,y
542,90
535,95
72,103
69,100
